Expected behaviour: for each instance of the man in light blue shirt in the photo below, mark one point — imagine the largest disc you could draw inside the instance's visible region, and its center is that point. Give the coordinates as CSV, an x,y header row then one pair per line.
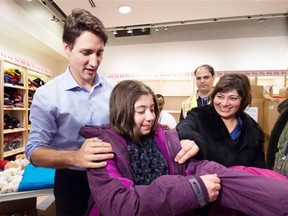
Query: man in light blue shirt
x,y
61,107
77,97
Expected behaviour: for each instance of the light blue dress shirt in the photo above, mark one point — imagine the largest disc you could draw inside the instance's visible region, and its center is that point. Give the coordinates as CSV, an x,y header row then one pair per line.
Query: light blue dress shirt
x,y
61,107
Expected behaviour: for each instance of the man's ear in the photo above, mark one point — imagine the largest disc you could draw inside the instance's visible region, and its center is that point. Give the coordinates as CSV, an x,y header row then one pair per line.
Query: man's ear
x,y
67,48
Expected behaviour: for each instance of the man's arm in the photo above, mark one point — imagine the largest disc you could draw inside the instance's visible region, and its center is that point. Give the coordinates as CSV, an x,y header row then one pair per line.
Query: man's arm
x,y
92,154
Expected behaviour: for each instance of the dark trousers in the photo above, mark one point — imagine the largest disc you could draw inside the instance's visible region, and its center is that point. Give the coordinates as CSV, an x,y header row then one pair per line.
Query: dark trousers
x,y
71,192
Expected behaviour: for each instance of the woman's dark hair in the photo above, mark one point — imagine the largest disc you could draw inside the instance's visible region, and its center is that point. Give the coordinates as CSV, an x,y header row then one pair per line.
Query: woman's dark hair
x,y
122,101
81,20
237,81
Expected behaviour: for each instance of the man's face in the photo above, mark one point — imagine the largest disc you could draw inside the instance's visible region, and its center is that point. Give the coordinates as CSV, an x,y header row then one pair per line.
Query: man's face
x,y
85,57
160,103
204,80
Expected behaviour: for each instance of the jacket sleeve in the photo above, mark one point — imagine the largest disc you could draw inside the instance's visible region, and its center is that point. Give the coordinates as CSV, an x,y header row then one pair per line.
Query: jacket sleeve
x,y
167,195
249,193
189,128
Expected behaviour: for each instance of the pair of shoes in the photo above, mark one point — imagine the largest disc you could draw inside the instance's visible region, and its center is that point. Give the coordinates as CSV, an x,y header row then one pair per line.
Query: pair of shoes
x,y
7,121
10,123
12,141
36,83
13,97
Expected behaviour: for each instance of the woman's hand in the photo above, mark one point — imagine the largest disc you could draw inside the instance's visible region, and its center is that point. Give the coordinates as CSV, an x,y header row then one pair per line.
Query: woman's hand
x,y
189,150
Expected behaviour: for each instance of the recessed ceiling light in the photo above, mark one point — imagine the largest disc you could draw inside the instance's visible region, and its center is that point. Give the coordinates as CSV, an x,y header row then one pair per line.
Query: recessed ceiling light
x,y
124,9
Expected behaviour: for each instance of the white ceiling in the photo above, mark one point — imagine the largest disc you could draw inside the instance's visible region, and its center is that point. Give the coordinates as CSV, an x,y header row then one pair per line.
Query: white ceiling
x,y
150,12
31,20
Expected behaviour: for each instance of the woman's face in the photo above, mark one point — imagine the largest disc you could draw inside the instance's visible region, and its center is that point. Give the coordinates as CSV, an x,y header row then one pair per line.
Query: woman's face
x,y
227,104
144,116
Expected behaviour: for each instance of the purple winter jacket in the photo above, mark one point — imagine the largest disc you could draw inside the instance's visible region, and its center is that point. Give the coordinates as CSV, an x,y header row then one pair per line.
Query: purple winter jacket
x,y
114,193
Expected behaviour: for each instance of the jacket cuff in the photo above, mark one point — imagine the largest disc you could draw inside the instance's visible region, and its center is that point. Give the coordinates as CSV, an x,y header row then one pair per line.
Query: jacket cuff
x,y
200,190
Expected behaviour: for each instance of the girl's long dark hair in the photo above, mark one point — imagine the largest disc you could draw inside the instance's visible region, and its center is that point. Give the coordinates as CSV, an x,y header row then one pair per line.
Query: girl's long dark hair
x,y
122,101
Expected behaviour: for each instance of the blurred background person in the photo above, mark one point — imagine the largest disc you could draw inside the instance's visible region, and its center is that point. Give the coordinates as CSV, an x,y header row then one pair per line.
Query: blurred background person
x,y
222,130
204,76
165,118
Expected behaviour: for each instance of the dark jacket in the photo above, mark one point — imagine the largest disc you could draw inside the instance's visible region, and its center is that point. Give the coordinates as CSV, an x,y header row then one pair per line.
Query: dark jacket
x,y
114,192
206,128
275,135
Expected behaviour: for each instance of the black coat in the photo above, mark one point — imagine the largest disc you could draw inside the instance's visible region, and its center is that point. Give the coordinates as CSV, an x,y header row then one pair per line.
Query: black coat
x,y
275,135
206,128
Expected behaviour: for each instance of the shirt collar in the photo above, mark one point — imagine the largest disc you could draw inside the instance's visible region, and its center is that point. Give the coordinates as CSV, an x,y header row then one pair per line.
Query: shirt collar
x,y
70,82
198,95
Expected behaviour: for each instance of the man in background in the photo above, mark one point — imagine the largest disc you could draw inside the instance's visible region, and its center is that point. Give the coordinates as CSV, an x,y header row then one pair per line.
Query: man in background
x,y
204,76
165,118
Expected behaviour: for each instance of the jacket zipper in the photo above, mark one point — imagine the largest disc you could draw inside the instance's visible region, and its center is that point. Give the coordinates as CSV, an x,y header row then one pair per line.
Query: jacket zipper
x,y
171,150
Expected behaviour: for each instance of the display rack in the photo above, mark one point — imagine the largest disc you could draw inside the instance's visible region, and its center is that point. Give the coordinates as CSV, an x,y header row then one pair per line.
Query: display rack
x,y
177,88
16,94
175,91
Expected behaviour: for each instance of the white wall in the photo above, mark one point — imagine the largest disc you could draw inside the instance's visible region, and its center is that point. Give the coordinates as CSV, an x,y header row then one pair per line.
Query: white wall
x,y
23,36
241,45
16,48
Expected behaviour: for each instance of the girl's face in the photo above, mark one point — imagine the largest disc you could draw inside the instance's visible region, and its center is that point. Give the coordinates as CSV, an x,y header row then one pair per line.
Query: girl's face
x,y
144,116
227,104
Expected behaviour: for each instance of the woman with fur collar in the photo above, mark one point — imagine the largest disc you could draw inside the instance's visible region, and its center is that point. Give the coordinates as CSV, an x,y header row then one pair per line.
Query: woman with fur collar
x,y
222,130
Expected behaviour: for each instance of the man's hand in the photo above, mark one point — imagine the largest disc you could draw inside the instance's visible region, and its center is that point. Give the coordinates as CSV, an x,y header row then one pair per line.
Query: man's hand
x,y
93,154
189,150
213,186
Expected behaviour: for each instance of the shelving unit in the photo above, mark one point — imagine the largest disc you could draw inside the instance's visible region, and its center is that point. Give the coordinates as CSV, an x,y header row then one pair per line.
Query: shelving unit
x,y
174,91
14,138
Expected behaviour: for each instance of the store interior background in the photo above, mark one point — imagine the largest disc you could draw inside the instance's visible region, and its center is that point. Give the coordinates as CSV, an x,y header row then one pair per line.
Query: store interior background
x,y
26,31
228,46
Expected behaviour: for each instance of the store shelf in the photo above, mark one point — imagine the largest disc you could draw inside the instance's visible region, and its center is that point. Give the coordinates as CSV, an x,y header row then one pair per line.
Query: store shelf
x,y
175,91
16,94
7,131
14,152
14,86
25,194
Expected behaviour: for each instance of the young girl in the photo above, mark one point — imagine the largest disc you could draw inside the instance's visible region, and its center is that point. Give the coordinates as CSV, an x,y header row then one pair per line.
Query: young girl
x,y
143,179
